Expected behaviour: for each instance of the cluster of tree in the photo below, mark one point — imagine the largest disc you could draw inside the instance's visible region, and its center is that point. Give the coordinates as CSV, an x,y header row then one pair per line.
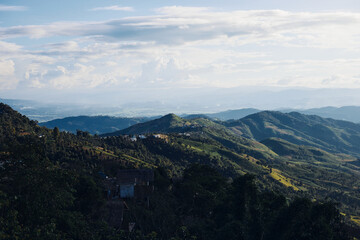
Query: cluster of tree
x,y
205,205
50,189
40,200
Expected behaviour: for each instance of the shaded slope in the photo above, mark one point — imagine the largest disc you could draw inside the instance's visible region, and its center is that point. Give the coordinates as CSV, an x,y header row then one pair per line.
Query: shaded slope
x,y
14,124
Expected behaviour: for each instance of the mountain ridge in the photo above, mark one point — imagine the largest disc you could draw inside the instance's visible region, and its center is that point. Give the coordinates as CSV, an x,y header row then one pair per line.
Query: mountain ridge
x,y
94,124
326,133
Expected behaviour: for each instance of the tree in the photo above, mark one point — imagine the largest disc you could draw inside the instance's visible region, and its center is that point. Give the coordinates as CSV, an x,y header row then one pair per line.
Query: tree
x,y
56,132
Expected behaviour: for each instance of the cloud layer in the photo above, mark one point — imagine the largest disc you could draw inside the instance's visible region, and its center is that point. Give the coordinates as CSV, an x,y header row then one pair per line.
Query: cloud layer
x,y
187,47
11,8
113,8
179,25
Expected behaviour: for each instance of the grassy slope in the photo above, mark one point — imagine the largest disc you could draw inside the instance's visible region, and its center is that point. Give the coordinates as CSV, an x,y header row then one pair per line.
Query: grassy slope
x,y
327,134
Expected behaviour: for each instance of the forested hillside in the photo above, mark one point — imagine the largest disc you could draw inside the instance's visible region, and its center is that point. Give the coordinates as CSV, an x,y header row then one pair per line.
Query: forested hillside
x,y
303,169
50,186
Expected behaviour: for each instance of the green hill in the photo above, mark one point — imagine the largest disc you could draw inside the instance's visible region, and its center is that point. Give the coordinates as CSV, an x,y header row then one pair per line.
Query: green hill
x,y
313,167
200,128
328,134
302,168
166,124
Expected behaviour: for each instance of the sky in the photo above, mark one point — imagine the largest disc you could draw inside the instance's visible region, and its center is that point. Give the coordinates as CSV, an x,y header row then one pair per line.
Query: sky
x,y
162,50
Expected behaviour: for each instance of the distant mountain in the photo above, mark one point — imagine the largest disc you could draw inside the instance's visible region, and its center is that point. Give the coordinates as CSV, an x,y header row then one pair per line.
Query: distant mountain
x,y
194,116
94,125
325,133
347,113
43,112
233,114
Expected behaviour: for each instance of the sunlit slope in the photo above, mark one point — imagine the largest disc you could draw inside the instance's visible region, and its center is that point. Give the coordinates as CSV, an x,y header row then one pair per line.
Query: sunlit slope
x,y
328,134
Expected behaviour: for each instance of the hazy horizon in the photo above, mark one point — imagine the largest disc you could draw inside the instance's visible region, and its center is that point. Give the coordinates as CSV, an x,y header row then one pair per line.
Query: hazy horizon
x,y
189,55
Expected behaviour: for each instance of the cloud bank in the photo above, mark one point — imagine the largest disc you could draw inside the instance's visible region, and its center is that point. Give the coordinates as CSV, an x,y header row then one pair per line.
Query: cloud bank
x,y
180,25
187,47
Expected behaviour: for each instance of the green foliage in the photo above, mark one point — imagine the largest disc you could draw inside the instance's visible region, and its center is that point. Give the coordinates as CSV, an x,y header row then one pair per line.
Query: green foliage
x,y
50,187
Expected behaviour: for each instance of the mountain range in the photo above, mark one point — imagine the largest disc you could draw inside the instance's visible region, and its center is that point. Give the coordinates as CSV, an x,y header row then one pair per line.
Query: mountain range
x,y
49,176
107,124
42,112
346,113
94,124
292,153
328,134
325,133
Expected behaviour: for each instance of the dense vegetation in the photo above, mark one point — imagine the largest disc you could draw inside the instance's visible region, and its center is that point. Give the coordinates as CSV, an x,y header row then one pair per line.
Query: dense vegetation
x,y
50,187
304,170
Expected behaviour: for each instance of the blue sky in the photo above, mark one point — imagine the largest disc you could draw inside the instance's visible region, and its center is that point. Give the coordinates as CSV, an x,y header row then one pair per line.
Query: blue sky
x,y
42,12
73,48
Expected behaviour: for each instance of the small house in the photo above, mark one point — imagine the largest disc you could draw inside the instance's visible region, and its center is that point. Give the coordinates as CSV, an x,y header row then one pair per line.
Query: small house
x,y
141,136
135,183
130,183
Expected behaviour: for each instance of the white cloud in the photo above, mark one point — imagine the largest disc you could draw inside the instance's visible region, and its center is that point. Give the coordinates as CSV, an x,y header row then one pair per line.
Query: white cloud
x,y
66,77
163,71
181,11
7,67
181,25
7,74
191,47
12,8
6,47
113,8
